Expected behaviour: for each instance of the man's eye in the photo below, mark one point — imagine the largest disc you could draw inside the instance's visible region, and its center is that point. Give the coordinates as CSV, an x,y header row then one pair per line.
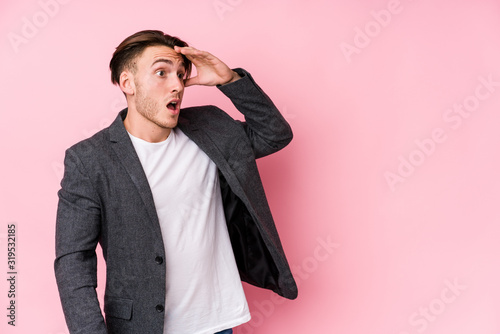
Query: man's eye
x,y
181,75
160,73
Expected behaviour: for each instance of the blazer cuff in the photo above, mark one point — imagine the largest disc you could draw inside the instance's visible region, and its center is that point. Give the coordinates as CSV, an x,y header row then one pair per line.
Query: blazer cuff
x,y
244,86
242,73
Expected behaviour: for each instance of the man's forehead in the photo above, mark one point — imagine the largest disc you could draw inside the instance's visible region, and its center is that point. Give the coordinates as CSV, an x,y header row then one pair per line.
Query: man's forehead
x,y
153,54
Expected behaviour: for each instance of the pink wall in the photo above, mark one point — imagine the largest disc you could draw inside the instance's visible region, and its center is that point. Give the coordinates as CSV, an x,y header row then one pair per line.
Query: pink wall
x,y
387,199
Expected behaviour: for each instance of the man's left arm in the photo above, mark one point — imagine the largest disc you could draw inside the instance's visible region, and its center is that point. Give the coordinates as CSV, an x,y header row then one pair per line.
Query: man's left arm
x,y
266,128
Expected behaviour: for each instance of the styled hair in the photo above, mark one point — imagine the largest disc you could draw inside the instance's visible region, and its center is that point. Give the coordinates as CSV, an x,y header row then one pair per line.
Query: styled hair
x,y
134,45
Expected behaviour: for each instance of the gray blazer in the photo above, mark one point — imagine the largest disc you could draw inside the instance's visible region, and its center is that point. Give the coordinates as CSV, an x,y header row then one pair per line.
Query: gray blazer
x,y
105,198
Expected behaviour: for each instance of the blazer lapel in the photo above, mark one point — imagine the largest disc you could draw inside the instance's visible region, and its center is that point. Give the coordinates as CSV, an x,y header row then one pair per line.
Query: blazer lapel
x,y
204,142
207,145
124,149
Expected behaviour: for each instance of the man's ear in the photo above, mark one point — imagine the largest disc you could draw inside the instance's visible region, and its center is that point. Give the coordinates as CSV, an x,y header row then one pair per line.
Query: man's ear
x,y
127,83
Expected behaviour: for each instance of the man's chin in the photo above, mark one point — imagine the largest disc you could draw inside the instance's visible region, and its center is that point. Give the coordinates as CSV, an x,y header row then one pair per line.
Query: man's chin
x,y
170,124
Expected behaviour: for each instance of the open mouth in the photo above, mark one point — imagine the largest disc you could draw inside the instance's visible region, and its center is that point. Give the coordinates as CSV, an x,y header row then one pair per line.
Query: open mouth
x,y
173,105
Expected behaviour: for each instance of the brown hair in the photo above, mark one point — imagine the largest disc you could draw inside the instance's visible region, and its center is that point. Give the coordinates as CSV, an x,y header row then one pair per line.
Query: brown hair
x,y
135,44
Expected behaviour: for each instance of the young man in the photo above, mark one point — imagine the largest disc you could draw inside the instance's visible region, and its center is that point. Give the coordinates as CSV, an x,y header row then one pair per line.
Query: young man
x,y
174,198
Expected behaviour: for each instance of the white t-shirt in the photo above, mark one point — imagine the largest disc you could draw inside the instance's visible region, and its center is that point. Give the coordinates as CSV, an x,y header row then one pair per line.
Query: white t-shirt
x,y
204,294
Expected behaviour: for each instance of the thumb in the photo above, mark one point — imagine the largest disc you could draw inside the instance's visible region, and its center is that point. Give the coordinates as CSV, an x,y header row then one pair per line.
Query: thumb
x,y
191,81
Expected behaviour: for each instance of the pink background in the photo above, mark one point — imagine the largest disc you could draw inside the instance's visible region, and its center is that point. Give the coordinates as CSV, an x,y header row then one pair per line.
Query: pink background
x,y
387,200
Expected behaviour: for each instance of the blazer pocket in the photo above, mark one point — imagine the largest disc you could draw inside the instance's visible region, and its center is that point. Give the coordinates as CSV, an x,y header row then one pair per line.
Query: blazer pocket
x,y
118,307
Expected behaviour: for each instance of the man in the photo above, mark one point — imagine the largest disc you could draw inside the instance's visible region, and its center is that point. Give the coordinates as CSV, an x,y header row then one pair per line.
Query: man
x,y
173,197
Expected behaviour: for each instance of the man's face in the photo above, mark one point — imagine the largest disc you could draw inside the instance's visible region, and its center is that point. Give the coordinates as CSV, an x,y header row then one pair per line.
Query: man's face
x,y
159,82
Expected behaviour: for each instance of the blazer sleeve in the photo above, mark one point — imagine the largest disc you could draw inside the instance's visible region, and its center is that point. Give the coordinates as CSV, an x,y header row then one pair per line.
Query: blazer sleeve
x,y
77,235
264,125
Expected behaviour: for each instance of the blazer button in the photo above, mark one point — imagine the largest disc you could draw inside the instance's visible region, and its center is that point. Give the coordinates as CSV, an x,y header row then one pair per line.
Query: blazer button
x,y
159,260
159,308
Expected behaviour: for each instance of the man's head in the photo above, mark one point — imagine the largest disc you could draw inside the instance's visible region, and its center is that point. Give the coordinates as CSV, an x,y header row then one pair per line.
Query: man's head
x,y
151,74
133,46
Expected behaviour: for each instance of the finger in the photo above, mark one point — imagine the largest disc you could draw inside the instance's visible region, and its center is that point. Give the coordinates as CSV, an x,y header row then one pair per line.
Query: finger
x,y
179,48
196,55
187,51
191,81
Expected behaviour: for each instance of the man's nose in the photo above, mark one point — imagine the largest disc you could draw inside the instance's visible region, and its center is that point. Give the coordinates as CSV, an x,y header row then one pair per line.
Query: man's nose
x,y
177,84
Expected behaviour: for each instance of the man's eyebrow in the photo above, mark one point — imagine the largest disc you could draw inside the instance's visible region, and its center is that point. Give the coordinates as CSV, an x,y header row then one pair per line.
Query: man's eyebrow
x,y
167,61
